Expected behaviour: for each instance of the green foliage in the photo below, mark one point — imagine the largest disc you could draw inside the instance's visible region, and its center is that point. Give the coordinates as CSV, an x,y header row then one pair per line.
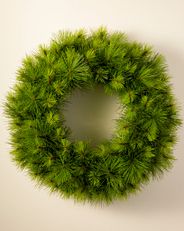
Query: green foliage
x,y
142,146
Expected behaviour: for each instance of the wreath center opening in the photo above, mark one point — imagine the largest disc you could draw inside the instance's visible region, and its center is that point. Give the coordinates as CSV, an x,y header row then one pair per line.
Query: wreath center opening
x,y
91,115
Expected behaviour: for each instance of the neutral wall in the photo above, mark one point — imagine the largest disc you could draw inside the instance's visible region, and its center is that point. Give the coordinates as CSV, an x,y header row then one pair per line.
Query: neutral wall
x,y
25,24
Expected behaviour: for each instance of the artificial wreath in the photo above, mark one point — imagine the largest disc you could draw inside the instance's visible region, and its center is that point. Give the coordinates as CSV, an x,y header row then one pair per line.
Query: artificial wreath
x,y
142,146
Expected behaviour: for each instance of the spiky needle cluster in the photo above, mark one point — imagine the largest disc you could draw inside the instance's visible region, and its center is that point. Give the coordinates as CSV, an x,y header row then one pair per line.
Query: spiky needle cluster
x,y
142,146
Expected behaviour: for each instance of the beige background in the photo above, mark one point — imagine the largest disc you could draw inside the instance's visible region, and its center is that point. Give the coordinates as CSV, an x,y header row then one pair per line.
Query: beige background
x,y
25,24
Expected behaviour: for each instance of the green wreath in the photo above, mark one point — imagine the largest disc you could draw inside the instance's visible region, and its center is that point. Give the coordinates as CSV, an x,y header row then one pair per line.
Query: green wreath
x,y
142,145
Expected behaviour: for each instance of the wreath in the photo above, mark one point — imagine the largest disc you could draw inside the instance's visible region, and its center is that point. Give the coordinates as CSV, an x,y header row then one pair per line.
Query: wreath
x,y
142,146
